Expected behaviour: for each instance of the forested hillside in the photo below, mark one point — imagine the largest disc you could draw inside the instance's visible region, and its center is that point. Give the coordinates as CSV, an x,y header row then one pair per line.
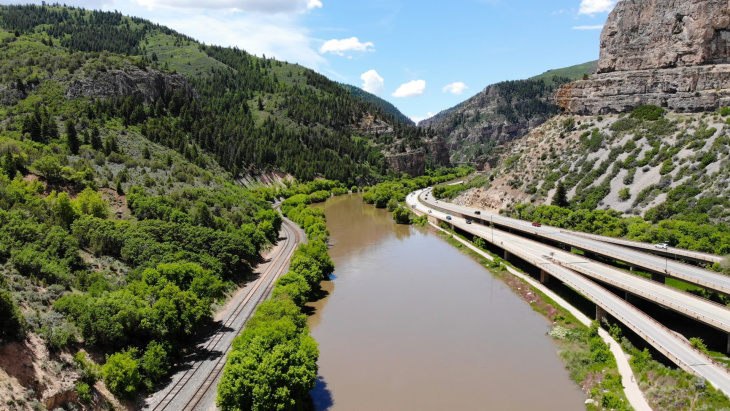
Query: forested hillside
x,y
123,223
249,113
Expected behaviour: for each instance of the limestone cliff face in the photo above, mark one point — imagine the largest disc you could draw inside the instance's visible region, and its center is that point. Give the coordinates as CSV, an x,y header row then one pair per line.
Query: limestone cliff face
x,y
413,163
670,53
648,34
149,84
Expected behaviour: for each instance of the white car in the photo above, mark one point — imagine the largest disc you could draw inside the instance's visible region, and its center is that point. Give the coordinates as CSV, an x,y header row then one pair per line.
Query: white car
x,y
661,245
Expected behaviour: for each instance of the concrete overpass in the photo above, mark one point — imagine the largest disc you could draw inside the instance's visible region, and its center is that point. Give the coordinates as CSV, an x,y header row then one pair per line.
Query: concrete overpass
x,y
659,266
562,265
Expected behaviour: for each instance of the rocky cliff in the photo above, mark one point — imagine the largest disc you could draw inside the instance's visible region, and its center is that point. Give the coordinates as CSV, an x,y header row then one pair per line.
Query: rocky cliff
x,y
149,84
670,53
501,113
649,34
413,163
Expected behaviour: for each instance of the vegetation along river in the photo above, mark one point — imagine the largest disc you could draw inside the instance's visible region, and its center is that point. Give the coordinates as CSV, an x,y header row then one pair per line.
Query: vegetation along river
x,y
412,323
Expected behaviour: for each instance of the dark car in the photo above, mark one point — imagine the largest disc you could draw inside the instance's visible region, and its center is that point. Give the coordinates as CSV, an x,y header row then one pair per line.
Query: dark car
x,y
468,221
477,212
536,224
448,217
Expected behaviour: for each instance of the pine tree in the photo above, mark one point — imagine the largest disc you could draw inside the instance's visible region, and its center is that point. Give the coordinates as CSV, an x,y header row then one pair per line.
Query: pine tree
x,y
72,137
96,139
8,164
560,198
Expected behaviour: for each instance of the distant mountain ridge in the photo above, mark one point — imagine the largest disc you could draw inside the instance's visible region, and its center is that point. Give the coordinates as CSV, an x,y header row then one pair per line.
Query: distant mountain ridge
x,y
387,107
501,113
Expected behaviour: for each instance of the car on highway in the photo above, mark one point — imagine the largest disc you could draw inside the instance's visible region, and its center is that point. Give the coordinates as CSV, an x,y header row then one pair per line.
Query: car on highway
x,y
468,221
661,245
477,212
448,217
429,211
536,224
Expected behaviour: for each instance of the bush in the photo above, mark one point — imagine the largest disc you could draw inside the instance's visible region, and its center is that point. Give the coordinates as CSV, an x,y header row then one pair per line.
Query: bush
x,y
84,391
121,373
649,112
401,215
624,194
12,323
154,364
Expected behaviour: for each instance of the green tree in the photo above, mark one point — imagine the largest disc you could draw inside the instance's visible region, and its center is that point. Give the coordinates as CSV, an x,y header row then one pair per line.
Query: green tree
x,y
90,202
96,143
155,363
63,210
9,166
401,215
48,167
121,373
560,198
12,323
269,378
72,137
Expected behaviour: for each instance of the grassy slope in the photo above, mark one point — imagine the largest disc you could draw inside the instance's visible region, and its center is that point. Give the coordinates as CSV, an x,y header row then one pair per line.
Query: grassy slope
x,y
572,72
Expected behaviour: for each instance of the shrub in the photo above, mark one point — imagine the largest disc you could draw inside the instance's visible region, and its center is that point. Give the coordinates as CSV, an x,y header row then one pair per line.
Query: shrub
x,y
121,373
84,391
12,324
624,194
649,112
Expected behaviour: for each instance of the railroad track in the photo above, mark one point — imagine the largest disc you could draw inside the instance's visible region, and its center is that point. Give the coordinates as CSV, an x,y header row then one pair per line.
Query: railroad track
x,y
267,280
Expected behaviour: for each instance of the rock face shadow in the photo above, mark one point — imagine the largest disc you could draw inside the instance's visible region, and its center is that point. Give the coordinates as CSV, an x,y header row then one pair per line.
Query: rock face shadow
x,y
321,395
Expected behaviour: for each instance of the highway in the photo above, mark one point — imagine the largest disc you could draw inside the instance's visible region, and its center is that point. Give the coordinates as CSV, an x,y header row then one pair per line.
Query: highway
x,y
666,266
194,386
652,249
561,265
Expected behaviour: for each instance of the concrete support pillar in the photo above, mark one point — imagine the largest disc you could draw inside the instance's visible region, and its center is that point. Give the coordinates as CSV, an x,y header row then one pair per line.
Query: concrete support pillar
x,y
600,313
658,278
632,268
506,255
629,297
544,277
727,351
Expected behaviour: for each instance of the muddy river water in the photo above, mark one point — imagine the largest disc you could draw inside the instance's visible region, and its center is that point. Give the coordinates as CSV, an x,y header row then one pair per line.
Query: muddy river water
x,y
411,323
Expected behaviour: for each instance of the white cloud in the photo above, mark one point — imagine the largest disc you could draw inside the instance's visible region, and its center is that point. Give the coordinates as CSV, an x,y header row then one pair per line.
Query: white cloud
x,y
410,89
339,47
598,27
311,4
373,82
257,6
278,36
455,88
418,119
596,6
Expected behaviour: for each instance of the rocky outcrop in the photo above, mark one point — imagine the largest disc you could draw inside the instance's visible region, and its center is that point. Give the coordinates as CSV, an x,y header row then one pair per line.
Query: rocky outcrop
x,y
648,34
682,90
438,151
669,53
413,163
149,84
499,114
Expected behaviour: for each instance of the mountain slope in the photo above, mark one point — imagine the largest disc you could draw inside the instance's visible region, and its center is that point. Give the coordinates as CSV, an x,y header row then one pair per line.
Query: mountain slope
x,y
250,113
384,105
500,113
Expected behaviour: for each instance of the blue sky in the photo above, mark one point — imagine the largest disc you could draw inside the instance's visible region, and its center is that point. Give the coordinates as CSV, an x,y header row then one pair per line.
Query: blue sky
x,y
422,56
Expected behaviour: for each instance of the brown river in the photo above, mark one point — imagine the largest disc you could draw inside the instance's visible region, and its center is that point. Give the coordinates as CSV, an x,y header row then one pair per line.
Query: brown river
x,y
411,323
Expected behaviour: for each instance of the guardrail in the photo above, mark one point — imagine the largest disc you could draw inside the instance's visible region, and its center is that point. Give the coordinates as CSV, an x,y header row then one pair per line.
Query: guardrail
x,y
652,267
698,255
